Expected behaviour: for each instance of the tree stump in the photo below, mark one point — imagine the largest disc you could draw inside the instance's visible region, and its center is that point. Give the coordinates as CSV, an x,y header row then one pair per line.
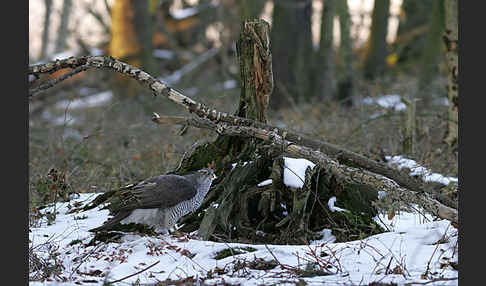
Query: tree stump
x,y
237,209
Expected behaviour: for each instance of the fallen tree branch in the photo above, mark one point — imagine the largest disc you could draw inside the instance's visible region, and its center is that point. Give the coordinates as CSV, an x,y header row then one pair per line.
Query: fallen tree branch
x,y
337,153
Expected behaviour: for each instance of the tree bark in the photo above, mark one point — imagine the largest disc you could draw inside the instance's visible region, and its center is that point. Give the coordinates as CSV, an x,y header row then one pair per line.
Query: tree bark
x,y
451,39
410,41
291,38
45,31
431,54
325,56
345,86
62,32
131,40
253,48
374,65
249,10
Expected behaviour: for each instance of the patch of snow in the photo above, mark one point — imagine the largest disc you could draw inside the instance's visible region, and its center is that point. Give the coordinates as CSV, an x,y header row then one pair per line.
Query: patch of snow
x,y
294,171
333,208
259,232
31,78
66,119
177,75
265,183
233,165
327,237
401,162
163,54
63,55
381,194
184,13
86,102
443,100
96,52
387,101
228,84
87,91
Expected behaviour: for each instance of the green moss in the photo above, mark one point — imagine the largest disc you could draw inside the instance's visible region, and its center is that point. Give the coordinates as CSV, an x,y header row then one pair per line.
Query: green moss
x,y
233,251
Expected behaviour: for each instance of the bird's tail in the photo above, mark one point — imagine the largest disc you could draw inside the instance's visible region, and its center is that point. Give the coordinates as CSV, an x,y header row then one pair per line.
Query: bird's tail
x,y
111,222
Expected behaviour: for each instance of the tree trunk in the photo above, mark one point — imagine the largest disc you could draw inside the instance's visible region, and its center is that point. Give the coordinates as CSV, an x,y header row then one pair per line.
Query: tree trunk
x,y
253,48
345,88
325,56
62,32
410,41
291,38
451,39
131,40
45,31
431,54
374,65
251,9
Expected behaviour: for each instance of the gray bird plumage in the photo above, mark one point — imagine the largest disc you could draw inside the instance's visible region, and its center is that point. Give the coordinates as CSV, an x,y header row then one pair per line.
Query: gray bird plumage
x,y
159,201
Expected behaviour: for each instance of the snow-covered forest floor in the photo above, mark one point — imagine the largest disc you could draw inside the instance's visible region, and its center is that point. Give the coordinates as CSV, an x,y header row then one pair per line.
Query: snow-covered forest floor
x,y
416,250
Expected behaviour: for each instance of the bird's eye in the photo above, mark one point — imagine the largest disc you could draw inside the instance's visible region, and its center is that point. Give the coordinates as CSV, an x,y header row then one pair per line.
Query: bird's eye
x,y
203,172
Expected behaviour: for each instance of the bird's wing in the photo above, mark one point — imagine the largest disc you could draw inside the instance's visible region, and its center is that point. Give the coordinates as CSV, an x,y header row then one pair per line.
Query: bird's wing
x,y
158,192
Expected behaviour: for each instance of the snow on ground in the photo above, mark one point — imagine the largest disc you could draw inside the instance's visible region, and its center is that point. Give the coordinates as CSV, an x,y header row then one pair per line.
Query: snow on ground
x,y
415,250
87,101
387,101
399,256
163,54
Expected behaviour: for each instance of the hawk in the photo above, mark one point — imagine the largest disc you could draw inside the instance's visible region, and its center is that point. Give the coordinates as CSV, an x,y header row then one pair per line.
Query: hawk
x,y
159,201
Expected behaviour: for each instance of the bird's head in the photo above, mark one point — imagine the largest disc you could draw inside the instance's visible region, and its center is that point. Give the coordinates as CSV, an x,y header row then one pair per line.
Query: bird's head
x,y
204,178
207,173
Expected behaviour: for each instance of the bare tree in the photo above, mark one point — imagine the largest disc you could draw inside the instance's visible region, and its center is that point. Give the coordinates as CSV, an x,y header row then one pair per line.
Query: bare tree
x,y
431,54
410,40
374,65
291,38
131,38
345,86
325,56
451,39
45,31
62,32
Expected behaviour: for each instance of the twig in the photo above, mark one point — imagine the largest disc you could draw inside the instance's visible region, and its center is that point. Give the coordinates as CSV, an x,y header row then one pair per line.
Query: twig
x,y
282,266
435,280
35,91
131,275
